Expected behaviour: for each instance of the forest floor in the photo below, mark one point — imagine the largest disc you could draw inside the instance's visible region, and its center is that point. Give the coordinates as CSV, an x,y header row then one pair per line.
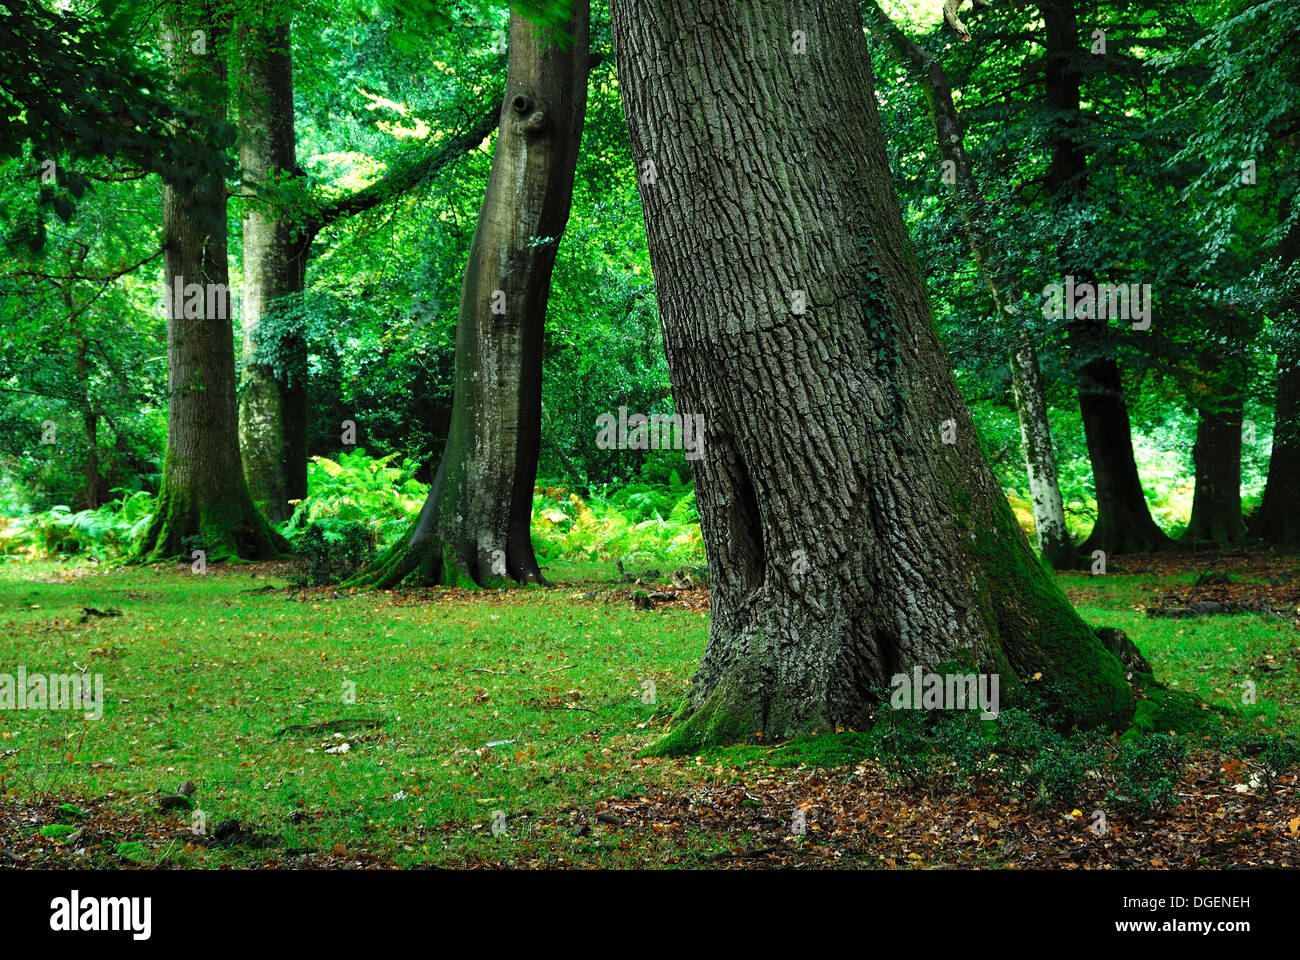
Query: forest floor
x,y
446,728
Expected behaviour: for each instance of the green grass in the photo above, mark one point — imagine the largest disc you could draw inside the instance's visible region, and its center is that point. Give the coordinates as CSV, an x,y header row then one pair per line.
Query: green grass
x,y
202,673
1210,658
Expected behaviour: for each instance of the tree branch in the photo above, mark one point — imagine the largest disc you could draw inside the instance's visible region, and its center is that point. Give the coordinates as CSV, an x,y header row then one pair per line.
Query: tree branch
x,y
406,177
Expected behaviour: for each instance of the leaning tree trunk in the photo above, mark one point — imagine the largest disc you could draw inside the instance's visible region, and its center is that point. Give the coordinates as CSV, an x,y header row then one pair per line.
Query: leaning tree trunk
x,y
846,542
1278,518
203,503
1124,523
1216,454
273,401
1026,376
475,525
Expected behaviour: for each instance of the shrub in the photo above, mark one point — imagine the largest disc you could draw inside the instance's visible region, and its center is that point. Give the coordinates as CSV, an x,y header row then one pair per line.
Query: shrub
x,y
104,533
334,553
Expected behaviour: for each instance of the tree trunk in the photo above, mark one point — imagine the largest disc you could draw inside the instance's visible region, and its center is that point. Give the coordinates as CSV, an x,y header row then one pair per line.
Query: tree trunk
x,y
272,403
1124,523
91,484
204,502
475,525
1216,504
846,542
90,426
1054,541
1278,517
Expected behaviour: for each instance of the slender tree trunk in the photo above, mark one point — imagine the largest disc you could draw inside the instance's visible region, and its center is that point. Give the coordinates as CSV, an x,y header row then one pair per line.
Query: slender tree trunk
x,y
476,523
90,426
272,402
90,485
1216,504
846,541
1124,523
1026,376
204,502
1278,517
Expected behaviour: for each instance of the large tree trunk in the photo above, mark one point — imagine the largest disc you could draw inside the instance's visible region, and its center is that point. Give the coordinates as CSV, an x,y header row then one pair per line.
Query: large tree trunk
x,y
204,502
1026,376
1124,523
845,541
272,403
475,525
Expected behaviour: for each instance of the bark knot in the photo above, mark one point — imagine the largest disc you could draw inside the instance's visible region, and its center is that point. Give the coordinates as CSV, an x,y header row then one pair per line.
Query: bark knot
x,y
531,116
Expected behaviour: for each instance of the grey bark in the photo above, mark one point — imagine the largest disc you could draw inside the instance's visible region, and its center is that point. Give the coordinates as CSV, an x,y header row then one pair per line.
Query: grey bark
x,y
475,526
846,542
203,502
272,402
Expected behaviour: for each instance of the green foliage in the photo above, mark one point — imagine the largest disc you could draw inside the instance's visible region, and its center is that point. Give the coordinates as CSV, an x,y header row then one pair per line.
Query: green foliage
x,y
939,751
132,850
105,533
358,490
334,552
636,524
1148,771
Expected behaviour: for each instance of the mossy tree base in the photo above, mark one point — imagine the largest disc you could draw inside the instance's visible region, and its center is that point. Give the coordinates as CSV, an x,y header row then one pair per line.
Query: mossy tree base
x,y
223,530
475,526
853,527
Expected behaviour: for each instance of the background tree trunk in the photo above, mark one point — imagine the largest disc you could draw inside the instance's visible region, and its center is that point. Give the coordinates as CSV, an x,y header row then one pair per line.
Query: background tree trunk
x,y
476,523
1124,523
1026,376
204,502
272,403
845,541
1278,518
1216,503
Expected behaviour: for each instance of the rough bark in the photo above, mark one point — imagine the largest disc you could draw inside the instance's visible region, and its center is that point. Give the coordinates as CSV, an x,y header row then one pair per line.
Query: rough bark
x,y
475,525
1054,541
203,503
1124,523
845,541
272,402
